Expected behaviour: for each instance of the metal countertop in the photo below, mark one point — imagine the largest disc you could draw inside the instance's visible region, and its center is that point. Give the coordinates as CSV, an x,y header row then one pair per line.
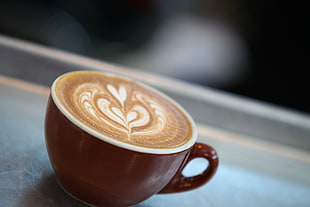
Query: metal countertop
x,y
264,150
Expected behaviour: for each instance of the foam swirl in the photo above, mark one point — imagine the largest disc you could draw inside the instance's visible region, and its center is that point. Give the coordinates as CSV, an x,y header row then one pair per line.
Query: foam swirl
x,y
108,104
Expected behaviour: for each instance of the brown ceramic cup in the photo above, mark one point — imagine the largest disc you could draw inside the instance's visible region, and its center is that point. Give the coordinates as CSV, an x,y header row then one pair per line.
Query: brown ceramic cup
x,y
96,171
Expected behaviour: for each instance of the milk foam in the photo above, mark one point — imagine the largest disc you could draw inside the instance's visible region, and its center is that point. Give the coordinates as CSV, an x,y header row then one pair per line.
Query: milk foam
x,y
107,104
123,112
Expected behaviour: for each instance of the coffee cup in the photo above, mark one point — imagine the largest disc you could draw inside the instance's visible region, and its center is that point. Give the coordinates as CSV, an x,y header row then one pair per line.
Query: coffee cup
x,y
113,141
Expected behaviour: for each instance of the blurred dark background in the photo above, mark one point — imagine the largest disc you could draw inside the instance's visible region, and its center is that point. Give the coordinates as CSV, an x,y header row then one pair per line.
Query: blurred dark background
x,y
256,48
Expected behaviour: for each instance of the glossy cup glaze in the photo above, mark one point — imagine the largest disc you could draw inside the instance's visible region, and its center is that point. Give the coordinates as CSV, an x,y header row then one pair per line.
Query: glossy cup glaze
x,y
103,174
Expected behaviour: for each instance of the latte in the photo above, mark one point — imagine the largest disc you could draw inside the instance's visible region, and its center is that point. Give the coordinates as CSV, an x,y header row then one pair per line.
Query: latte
x,y
123,110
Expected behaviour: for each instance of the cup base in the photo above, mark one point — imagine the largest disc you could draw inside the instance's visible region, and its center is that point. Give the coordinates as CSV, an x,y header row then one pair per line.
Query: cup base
x,y
74,197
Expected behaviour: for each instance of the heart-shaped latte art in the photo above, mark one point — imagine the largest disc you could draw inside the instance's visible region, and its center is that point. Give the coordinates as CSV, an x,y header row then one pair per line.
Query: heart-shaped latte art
x,y
119,108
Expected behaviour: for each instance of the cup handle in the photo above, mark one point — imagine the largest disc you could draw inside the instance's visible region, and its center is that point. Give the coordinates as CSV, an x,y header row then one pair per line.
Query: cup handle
x,y
180,183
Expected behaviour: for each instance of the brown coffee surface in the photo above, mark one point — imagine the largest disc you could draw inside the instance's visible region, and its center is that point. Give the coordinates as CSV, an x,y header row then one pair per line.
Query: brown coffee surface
x,y
123,110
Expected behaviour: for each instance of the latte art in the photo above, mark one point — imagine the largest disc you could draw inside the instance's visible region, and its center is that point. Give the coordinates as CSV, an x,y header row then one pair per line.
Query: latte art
x,y
107,104
123,110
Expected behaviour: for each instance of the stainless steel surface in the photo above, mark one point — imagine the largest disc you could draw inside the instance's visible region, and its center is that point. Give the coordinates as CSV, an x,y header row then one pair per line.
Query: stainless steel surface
x,y
263,149
27,179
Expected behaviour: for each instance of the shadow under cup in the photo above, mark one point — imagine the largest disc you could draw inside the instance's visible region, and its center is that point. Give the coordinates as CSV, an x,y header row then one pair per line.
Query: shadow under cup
x,y
102,174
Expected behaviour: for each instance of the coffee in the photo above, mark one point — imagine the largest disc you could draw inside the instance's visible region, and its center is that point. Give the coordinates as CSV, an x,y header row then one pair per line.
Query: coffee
x,y
115,142
123,110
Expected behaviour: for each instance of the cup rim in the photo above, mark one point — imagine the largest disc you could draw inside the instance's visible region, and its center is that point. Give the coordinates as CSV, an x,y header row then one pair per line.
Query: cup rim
x,y
116,142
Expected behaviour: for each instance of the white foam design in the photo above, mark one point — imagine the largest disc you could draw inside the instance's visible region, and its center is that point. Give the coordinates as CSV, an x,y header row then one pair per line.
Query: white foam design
x,y
121,108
